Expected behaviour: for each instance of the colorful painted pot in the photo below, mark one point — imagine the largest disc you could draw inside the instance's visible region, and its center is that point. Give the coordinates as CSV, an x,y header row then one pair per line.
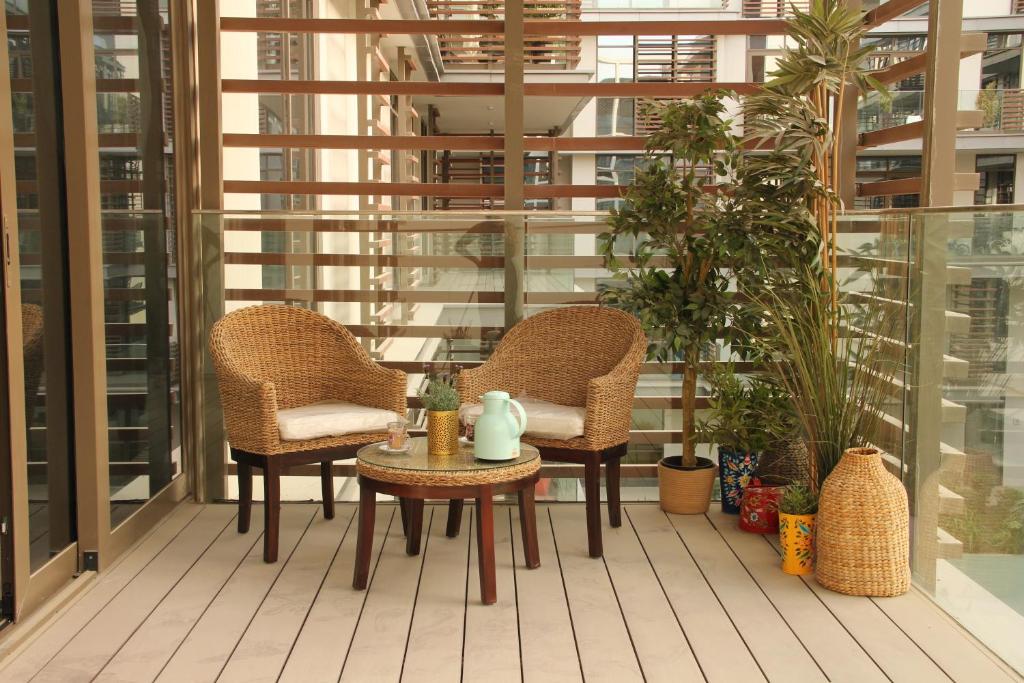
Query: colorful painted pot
x,y
759,510
796,534
734,473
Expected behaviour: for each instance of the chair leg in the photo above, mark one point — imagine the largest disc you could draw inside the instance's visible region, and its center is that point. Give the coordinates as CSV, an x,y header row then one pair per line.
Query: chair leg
x,y
454,517
611,479
271,508
327,488
592,489
244,496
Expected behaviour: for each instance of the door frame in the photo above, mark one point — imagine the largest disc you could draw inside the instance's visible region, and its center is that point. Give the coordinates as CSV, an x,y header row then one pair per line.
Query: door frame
x,y
98,545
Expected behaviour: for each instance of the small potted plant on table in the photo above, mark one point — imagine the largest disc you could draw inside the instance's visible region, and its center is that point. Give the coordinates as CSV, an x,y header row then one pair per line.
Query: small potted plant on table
x,y
441,400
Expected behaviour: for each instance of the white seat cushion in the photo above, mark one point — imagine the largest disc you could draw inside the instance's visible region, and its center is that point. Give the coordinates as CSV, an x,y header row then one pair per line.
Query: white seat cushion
x,y
331,418
544,420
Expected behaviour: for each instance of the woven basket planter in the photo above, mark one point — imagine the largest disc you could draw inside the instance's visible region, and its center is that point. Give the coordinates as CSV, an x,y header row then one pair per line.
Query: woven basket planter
x,y
783,462
685,491
863,528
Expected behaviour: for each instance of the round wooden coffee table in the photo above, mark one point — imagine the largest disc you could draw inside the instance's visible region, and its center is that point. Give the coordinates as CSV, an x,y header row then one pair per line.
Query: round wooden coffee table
x,y
416,475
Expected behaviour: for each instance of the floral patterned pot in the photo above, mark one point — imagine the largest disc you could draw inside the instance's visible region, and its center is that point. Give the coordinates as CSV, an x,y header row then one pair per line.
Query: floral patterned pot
x,y
734,473
796,534
759,510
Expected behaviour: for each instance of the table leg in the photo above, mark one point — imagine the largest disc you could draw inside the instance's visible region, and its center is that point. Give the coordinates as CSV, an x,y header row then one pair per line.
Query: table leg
x,y
528,525
364,541
412,539
454,518
485,546
403,507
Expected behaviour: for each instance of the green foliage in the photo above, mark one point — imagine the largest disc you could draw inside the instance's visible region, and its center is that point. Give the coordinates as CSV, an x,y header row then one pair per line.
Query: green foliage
x,y
798,499
839,385
441,393
749,415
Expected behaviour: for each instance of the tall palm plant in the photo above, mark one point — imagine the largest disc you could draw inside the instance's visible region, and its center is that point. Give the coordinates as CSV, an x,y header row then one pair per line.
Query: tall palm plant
x,y
798,117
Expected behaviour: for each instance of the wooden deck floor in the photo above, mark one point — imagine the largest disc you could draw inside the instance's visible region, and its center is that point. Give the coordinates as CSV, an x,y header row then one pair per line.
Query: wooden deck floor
x,y
675,599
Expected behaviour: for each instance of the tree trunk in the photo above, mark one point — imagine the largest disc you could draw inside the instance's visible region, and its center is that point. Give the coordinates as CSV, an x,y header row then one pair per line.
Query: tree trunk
x,y
689,406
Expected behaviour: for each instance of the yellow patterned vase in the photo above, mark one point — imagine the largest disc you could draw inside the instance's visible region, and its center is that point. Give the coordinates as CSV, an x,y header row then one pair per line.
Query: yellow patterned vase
x,y
796,534
443,432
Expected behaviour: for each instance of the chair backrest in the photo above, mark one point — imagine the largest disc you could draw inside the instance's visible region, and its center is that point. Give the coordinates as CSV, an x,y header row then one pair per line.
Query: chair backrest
x,y
556,353
301,351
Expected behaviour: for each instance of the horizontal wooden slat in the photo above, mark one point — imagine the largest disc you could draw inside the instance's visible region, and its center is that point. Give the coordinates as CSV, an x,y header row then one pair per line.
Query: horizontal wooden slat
x,y
474,143
356,295
890,9
365,260
915,131
103,85
962,182
483,26
449,89
416,189
299,224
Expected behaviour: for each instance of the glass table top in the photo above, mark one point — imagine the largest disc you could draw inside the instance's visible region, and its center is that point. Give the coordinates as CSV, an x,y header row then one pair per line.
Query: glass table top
x,y
417,458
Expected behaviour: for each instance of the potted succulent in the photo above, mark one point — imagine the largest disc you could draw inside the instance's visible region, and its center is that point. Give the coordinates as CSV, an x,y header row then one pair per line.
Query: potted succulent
x,y
441,401
797,509
748,415
679,216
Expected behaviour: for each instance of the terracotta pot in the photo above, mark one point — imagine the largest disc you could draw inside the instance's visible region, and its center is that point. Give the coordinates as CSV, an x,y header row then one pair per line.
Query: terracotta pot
x,y
734,473
796,534
685,491
442,432
759,511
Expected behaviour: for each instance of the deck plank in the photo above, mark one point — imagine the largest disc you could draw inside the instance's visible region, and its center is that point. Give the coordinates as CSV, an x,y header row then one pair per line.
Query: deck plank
x,y
832,647
261,653
491,648
898,656
718,646
957,655
606,650
90,650
37,653
319,652
435,645
149,648
378,646
208,646
661,645
545,626
782,655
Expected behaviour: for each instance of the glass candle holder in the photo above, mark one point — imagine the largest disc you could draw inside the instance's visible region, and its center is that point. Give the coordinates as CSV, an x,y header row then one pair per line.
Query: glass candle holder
x,y
470,427
398,436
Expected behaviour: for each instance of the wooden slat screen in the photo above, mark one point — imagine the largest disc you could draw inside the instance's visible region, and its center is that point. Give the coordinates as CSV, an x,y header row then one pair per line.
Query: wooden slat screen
x,y
773,8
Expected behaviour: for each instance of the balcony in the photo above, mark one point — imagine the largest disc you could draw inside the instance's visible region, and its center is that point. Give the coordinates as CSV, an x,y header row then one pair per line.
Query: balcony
x,y
676,598
1002,110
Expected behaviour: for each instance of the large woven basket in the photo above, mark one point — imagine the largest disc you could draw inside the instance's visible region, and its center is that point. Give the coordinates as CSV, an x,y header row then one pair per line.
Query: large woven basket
x,y
863,528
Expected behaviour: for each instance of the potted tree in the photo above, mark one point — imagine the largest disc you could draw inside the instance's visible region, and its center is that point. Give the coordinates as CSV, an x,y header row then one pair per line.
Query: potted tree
x,y
748,415
680,215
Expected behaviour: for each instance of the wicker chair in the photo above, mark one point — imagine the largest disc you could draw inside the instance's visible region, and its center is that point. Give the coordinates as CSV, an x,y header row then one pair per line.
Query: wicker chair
x,y
279,357
581,356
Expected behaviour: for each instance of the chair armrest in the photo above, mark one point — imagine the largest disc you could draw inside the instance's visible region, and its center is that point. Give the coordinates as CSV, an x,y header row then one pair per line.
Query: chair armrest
x,y
250,412
610,404
379,387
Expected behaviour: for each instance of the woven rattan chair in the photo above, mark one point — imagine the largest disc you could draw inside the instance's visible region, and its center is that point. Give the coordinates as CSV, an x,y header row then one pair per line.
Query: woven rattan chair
x,y
271,358
581,356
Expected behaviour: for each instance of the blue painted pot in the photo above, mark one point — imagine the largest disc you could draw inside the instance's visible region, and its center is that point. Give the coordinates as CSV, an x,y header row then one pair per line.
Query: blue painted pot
x,y
734,473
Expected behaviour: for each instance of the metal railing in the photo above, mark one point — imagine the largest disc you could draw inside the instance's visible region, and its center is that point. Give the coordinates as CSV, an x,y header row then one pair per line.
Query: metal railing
x,y
1002,110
